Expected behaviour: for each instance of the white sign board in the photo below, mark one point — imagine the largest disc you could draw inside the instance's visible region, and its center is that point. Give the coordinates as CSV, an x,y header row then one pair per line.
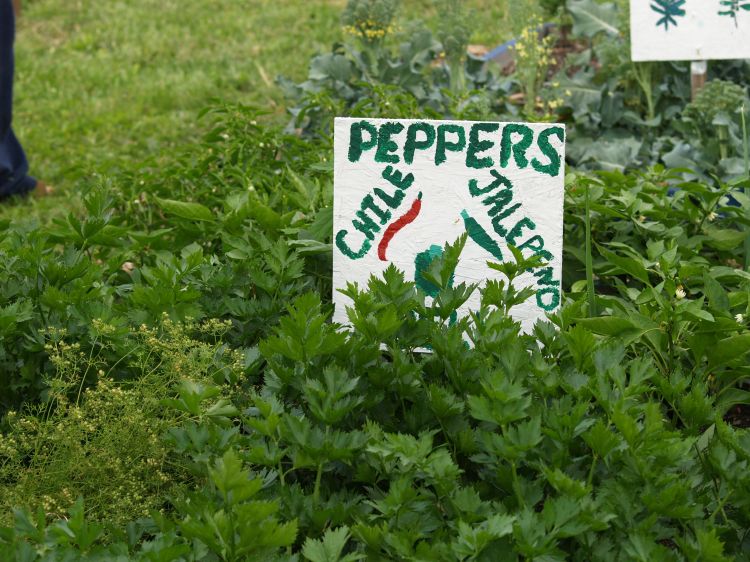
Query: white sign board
x,y
404,188
689,29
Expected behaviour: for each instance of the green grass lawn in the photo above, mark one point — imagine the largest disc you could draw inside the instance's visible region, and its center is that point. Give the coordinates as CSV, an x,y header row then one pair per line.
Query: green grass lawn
x,y
103,85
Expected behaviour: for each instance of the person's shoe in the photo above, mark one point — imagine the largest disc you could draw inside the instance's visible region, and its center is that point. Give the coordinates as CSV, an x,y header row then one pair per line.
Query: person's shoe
x,y
42,190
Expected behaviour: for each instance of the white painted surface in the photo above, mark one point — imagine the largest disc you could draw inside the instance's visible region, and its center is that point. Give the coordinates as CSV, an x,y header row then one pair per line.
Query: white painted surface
x,y
445,194
701,33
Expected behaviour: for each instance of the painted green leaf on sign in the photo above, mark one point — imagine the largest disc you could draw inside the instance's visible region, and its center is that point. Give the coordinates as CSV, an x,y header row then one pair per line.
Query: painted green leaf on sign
x,y
669,10
731,8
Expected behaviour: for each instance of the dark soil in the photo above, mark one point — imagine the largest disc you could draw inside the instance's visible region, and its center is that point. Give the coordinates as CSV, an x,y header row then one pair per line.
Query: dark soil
x,y
739,416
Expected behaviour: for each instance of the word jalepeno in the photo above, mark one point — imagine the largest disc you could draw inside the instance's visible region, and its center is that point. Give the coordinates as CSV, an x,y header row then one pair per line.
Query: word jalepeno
x,y
404,188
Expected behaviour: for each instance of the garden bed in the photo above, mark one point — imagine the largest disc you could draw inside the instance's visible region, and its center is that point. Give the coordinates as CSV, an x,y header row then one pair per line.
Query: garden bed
x,y
174,388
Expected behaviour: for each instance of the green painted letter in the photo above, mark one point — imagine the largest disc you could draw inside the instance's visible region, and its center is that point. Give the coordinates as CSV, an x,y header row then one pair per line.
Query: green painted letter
x,y
442,145
413,144
519,149
544,277
369,226
475,190
548,306
476,146
357,145
536,244
392,201
385,145
553,168
398,180
346,250
515,232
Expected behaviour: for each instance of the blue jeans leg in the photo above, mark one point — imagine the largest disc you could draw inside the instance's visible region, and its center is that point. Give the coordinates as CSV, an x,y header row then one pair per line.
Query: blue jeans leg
x,y
14,168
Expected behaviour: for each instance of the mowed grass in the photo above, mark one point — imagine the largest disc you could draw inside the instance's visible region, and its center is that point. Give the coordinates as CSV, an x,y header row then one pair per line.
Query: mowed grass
x,y
104,85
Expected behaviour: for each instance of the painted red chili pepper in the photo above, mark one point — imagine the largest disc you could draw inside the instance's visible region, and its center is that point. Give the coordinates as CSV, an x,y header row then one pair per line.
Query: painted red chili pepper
x,y
398,224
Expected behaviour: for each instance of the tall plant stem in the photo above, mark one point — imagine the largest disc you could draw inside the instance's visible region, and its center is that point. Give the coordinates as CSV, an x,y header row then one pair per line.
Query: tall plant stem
x,y
643,74
517,486
316,490
589,261
592,469
746,150
723,133
319,474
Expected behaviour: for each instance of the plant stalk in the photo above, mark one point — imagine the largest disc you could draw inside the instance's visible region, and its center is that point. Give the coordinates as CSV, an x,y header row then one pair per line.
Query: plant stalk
x,y
589,261
592,469
723,133
316,490
643,75
746,153
319,475
517,485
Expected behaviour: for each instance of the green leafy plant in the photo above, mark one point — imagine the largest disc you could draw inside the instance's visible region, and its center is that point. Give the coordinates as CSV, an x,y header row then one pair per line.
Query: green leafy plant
x,y
369,20
454,33
228,520
533,56
105,444
424,74
252,427
714,108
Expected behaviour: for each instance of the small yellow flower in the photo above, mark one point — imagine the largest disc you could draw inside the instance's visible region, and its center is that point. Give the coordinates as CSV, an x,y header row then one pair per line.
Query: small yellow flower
x,y
680,293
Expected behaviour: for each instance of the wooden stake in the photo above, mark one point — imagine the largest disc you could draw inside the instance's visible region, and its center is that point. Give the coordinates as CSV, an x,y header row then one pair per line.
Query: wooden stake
x,y
698,71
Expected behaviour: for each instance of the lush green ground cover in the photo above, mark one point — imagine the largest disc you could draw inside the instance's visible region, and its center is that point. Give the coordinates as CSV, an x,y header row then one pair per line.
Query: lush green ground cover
x,y
103,85
173,390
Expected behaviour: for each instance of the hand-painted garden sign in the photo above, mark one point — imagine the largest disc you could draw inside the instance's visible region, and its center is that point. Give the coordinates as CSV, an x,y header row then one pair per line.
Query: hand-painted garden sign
x,y
689,29
403,188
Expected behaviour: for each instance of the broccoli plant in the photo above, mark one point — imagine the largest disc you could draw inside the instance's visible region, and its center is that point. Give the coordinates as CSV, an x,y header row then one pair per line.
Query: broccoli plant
x,y
714,110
